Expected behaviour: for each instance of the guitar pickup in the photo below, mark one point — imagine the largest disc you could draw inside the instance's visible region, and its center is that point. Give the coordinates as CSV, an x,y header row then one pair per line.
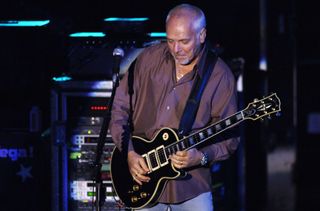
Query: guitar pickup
x,y
162,156
154,160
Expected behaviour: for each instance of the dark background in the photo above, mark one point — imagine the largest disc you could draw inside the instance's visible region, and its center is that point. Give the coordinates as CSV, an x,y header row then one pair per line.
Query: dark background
x,y
30,57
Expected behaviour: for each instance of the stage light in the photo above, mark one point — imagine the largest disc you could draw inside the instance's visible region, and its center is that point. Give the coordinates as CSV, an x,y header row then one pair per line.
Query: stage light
x,y
157,34
88,34
112,19
62,78
24,23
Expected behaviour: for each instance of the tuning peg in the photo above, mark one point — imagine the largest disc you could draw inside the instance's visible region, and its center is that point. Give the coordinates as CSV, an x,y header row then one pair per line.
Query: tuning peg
x,y
269,117
255,100
278,114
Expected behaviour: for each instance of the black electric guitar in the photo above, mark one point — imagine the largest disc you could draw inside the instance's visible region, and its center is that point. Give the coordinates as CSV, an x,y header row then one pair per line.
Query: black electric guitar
x,y
156,153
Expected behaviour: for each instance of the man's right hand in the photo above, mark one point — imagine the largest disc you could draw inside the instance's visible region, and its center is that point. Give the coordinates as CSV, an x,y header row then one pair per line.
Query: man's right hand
x,y
138,167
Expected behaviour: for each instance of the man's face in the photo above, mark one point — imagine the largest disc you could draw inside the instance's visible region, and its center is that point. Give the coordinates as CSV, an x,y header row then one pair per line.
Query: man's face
x,y
183,40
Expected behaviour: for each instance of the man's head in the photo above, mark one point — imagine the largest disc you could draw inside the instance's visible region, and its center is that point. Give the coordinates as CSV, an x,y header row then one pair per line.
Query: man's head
x,y
186,32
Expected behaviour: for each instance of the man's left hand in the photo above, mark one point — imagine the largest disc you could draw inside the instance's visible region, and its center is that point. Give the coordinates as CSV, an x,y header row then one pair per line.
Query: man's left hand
x,y
186,159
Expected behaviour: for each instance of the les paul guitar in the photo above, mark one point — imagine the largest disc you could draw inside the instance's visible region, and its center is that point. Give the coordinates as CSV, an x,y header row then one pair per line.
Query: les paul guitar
x,y
156,153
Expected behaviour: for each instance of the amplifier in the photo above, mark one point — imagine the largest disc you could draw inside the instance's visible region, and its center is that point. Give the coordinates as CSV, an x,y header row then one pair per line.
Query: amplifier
x,y
84,191
82,155
82,196
88,139
78,111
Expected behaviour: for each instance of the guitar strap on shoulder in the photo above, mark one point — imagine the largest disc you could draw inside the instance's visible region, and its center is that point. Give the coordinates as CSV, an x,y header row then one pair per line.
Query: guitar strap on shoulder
x,y
207,64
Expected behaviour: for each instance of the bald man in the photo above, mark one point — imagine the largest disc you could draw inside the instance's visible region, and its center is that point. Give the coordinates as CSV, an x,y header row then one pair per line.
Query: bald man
x,y
163,77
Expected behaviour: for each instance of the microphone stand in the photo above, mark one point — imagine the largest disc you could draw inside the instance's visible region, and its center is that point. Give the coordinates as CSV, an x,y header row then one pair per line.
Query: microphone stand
x,y
100,189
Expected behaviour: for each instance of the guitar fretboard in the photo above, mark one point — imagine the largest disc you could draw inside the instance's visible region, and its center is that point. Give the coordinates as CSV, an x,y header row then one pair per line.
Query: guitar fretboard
x,y
204,134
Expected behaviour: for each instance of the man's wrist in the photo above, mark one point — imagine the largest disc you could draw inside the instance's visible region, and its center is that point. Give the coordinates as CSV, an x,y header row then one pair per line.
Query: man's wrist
x,y
204,159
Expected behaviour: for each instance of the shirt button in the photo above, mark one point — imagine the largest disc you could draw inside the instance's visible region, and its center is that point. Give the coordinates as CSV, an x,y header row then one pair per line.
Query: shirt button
x,y
168,107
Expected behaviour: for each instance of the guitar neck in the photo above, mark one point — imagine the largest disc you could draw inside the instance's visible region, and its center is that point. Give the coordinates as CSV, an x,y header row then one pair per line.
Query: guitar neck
x,y
204,134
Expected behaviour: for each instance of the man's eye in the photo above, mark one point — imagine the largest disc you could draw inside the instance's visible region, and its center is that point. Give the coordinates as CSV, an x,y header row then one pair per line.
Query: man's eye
x,y
184,42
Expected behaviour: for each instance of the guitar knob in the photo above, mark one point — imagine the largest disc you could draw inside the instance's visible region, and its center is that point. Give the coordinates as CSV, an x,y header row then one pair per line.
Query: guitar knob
x,y
143,195
134,199
135,187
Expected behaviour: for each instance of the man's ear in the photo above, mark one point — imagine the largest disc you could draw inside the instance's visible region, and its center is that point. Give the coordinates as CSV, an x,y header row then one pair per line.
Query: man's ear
x,y
203,35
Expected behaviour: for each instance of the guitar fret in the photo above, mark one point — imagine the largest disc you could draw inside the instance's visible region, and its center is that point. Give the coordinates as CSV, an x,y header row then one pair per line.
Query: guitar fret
x,y
228,122
183,145
186,142
209,131
236,118
201,135
191,141
168,151
217,127
178,147
239,116
171,149
196,138
223,125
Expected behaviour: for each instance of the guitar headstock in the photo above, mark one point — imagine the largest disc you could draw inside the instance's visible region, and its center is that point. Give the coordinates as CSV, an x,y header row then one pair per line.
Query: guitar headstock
x,y
264,107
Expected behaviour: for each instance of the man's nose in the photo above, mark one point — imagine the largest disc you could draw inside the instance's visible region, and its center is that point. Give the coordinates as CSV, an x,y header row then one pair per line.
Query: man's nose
x,y
176,47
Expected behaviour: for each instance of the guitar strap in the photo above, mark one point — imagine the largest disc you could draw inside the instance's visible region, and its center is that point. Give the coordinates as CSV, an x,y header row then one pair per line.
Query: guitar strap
x,y
206,64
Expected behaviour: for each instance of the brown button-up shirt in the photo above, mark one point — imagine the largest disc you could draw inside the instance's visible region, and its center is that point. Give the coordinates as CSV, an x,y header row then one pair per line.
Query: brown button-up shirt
x,y
159,101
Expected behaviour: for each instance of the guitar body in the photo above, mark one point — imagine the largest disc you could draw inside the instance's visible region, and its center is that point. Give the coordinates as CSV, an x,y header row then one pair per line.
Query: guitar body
x,y
131,193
